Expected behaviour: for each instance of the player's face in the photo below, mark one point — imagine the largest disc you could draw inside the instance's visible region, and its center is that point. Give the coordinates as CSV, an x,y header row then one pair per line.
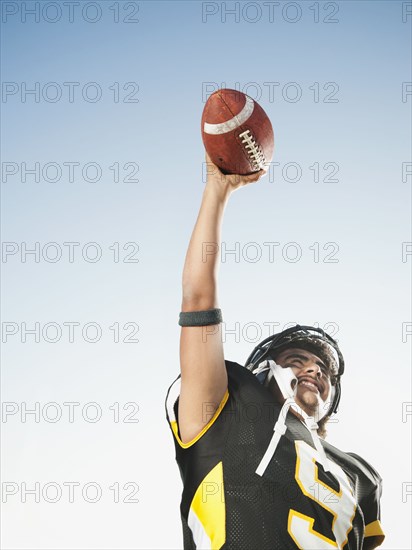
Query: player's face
x,y
312,375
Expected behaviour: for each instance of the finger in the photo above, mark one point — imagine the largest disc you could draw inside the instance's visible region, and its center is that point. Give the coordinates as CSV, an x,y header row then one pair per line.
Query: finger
x,y
256,176
261,173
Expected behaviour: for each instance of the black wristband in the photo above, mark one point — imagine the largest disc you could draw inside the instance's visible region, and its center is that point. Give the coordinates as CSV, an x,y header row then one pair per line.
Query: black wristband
x,y
200,318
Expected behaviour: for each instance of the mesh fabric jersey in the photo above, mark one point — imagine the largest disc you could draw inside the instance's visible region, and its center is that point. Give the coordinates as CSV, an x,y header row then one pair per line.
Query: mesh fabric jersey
x,y
295,504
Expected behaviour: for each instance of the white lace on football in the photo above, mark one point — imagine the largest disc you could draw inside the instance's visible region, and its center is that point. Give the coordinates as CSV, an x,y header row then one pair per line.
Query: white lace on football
x,y
253,149
288,384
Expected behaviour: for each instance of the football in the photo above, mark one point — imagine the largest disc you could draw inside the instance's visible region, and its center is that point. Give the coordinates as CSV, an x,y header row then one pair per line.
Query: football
x,y
236,132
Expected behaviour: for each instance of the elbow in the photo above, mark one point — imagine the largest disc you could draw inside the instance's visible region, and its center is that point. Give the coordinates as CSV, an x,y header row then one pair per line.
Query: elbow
x,y
199,299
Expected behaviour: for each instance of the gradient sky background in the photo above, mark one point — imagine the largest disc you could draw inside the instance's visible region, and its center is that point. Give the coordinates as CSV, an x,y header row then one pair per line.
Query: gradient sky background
x,y
176,53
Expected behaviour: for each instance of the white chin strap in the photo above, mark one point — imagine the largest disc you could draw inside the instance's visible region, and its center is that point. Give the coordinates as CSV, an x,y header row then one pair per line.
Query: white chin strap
x,y
288,384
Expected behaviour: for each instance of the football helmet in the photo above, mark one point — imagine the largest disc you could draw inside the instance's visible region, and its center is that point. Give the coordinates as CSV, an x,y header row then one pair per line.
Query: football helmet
x,y
312,339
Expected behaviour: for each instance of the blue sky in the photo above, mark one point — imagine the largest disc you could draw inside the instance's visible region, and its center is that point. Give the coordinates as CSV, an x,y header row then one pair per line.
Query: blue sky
x,y
153,76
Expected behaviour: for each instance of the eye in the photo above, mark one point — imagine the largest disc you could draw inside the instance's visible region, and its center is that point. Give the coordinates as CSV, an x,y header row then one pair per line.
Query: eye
x,y
294,363
326,373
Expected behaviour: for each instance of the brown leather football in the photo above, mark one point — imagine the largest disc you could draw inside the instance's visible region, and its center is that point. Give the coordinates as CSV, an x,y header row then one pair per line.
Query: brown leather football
x,y
237,132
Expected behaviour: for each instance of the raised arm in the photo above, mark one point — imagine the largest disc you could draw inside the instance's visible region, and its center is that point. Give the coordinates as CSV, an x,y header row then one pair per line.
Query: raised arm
x,y
203,372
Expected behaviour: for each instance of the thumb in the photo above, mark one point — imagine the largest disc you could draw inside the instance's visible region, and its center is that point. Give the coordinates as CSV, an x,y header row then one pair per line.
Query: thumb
x,y
256,176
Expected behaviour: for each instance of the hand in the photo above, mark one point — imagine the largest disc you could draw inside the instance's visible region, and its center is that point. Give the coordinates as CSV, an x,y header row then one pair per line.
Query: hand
x,y
229,182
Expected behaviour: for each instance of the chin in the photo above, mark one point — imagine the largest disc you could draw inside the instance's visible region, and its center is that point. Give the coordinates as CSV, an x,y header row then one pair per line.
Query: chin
x,y
309,403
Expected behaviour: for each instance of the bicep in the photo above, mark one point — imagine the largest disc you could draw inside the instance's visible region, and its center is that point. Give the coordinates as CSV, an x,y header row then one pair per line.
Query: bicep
x,y
203,377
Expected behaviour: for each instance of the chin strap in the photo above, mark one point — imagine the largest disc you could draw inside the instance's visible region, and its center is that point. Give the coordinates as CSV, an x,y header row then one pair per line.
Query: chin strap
x,y
312,425
288,384
278,430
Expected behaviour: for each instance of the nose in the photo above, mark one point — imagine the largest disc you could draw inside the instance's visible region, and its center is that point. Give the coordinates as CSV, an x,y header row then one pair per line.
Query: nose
x,y
315,369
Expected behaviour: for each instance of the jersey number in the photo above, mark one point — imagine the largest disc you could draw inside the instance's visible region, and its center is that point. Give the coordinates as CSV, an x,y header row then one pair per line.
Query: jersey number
x,y
341,504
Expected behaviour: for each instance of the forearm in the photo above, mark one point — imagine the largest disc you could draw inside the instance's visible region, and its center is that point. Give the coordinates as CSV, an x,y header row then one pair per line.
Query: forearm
x,y
202,258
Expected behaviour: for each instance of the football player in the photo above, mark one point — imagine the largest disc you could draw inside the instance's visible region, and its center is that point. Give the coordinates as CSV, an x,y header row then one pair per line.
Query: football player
x,y
257,472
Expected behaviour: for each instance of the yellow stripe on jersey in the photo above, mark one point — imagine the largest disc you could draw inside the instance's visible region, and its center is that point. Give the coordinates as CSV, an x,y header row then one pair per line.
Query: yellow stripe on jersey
x,y
207,515
374,529
175,428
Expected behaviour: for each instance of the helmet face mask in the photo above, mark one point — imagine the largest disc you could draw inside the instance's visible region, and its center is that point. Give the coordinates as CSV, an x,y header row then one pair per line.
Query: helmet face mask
x,y
313,345
311,339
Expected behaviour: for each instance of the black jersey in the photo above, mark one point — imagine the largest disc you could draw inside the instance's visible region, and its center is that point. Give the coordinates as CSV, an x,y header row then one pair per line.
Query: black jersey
x,y
297,503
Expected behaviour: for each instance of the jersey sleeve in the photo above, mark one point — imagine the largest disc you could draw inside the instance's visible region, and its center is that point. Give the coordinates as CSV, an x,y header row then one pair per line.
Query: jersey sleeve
x,y
172,400
369,495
